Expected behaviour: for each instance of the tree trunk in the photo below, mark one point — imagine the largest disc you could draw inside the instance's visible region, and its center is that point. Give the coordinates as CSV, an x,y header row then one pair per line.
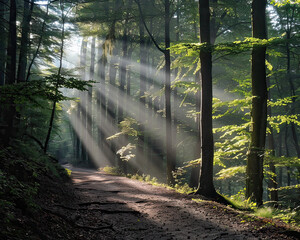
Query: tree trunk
x,y
78,139
254,180
272,183
3,41
140,158
11,68
169,146
194,180
12,45
39,43
83,101
206,185
57,83
90,97
287,155
28,8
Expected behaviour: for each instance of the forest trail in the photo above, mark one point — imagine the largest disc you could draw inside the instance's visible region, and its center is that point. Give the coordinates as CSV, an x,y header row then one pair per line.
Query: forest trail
x,y
113,207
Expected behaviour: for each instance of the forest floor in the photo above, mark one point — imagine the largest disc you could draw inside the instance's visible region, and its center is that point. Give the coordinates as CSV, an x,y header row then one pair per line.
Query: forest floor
x,y
102,206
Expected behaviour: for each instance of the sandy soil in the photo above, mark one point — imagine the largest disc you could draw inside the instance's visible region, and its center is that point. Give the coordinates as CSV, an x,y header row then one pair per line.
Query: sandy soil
x,y
112,207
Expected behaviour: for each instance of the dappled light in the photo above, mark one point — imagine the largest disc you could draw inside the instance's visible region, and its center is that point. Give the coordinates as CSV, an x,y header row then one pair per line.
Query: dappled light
x,y
131,119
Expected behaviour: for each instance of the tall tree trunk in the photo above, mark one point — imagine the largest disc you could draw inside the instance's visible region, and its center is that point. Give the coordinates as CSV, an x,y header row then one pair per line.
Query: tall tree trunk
x,y
169,146
292,91
272,183
279,155
140,158
206,185
78,139
39,42
63,18
287,155
90,97
12,45
176,102
254,172
83,101
123,71
11,68
28,8
194,180
3,41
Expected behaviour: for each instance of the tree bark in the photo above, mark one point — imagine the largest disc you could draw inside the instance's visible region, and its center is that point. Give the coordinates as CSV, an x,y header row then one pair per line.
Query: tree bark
x,y
90,97
39,43
195,173
63,18
3,41
12,45
169,146
287,155
254,172
11,69
83,101
140,158
28,8
206,185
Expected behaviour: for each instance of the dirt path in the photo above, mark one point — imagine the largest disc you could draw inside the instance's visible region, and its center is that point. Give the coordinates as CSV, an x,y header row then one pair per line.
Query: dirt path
x,y
112,207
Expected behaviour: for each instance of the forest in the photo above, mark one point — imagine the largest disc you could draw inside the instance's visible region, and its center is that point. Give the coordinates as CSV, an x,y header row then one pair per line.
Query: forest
x,y
196,96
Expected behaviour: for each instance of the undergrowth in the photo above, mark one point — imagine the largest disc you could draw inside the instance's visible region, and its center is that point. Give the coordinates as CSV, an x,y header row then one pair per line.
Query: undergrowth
x,y
181,188
21,170
238,201
288,215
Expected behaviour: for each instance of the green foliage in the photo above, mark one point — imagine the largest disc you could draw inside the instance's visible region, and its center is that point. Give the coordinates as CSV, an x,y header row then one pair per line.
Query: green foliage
x,y
126,152
281,3
20,172
128,127
112,170
240,201
49,88
183,188
231,172
69,172
264,212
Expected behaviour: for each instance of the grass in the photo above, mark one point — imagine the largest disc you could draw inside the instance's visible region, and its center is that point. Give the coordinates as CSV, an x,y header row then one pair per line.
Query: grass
x,y
181,188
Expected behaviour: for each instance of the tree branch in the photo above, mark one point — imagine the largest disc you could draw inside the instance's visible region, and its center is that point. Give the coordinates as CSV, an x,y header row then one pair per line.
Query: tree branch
x,y
147,29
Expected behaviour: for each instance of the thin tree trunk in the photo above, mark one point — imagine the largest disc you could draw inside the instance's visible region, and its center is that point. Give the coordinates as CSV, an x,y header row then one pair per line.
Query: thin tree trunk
x,y
28,8
272,183
3,41
78,140
169,145
12,45
279,155
83,101
39,43
141,138
58,74
287,155
194,180
11,69
90,97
